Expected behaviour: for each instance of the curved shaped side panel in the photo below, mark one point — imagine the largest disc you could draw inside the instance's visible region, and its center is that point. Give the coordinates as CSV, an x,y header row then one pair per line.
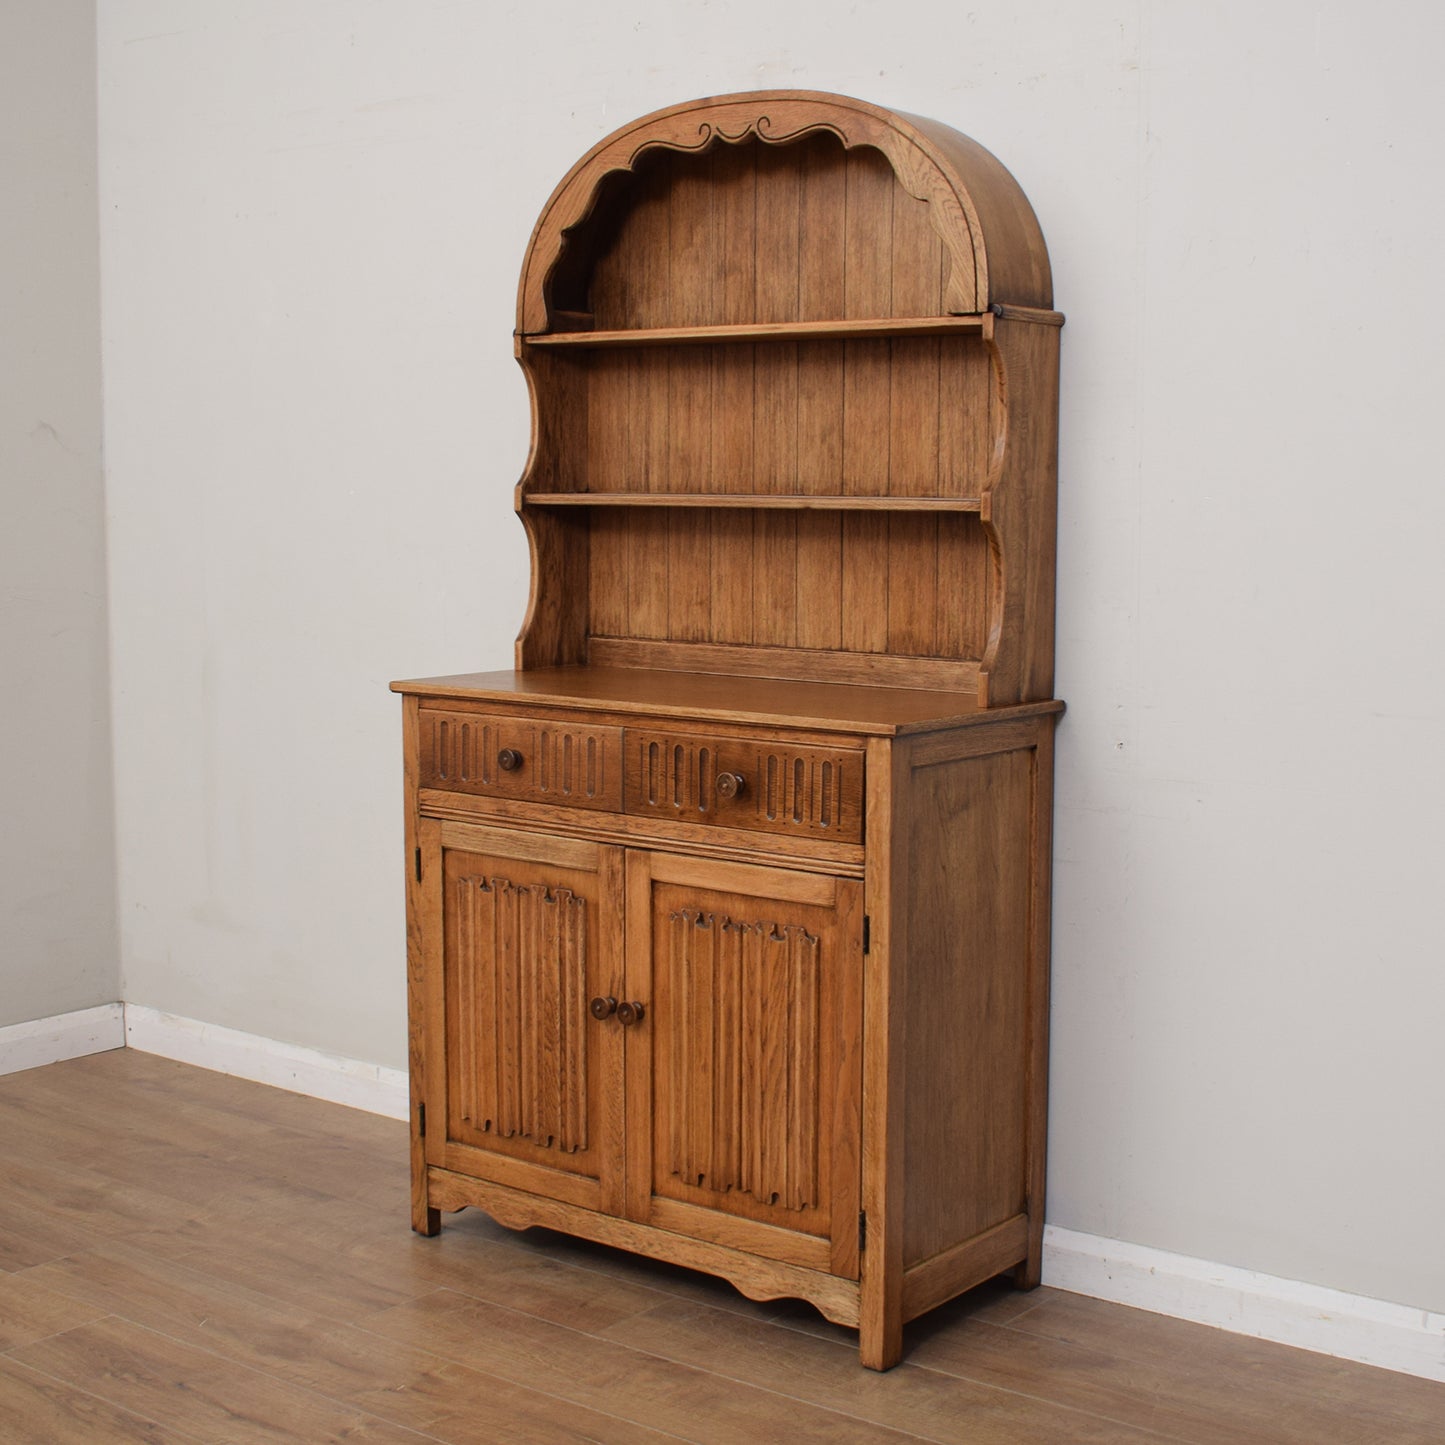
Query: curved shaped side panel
x,y
1019,515
554,630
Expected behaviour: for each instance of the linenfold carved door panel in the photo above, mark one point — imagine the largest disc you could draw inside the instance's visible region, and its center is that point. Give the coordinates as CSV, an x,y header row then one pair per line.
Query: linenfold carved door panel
x,y
530,1096
744,1077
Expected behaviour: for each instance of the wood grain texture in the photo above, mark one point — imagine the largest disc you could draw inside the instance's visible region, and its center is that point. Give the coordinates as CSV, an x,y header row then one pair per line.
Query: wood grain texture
x,y
759,320
790,500
751,1001
1019,514
996,233
574,766
880,1329
423,1218
622,692
699,839
37,1407
929,1282
779,660
781,787
527,1075
832,327
965,1120
273,1291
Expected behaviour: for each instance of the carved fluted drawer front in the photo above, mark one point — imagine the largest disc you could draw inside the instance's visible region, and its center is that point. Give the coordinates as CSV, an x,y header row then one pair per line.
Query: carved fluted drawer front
x,y
746,783
543,761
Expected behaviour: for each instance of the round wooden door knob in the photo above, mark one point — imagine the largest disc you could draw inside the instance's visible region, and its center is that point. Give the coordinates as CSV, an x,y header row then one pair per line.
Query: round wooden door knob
x,y
603,1007
731,785
630,1013
509,760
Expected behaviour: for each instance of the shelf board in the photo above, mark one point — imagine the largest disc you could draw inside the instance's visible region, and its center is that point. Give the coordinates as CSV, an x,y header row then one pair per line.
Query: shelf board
x,y
792,501
873,326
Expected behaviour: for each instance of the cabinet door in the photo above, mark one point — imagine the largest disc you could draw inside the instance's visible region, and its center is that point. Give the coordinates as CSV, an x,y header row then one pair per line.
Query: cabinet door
x,y
744,1073
524,931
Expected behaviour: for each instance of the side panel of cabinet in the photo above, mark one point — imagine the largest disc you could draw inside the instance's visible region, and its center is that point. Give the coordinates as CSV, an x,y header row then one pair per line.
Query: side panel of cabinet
x,y
972,906
523,1085
744,1076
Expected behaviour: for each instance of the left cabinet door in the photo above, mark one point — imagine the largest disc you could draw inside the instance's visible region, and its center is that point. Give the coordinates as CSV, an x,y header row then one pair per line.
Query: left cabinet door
x,y
523,1084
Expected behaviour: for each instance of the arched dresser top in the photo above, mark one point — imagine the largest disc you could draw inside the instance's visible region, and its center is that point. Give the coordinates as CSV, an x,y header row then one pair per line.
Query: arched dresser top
x,y
982,218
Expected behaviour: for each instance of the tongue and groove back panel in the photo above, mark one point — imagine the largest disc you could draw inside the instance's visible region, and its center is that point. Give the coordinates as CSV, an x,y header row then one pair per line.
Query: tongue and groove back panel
x,y
822,501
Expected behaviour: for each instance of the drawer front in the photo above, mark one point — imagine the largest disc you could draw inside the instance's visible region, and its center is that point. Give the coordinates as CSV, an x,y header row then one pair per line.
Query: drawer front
x,y
567,764
805,791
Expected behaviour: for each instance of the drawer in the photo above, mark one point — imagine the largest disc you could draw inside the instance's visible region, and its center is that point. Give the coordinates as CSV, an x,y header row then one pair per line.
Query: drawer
x,y
765,784
568,764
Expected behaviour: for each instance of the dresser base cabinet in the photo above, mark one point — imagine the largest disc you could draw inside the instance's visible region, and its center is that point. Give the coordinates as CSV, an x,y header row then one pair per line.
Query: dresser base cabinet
x,y
820,1075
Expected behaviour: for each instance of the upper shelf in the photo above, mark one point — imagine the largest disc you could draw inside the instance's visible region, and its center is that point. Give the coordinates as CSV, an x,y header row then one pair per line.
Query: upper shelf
x,y
873,326
791,502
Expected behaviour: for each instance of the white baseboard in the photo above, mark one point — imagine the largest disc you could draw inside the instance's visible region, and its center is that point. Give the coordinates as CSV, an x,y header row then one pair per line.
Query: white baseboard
x,y
62,1036
1307,1316
321,1075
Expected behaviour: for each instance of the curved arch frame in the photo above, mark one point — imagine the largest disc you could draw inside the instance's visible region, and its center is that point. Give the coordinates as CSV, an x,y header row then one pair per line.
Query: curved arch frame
x,y
976,207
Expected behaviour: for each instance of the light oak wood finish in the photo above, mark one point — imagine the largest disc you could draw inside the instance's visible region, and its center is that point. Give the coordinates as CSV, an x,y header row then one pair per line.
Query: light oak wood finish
x,y
844,310
269,1301
729,905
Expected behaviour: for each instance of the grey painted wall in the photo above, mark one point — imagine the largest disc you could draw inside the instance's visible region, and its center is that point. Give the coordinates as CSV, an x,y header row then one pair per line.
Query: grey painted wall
x,y
312,221
58,946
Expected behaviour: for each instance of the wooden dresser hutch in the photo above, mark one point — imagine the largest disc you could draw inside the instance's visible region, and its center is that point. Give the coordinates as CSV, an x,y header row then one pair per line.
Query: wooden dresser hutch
x,y
728,909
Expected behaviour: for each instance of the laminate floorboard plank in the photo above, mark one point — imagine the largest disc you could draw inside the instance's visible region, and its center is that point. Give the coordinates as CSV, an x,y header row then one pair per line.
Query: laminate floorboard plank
x,y
139,1184
140,1109
531,1282
49,1208
38,1410
226,1282
202,1394
280,1271
1181,1400
400,1384
1355,1404
220,1114
656,1276
342,1289
229,1157
1189,1381
30,1310
339,1170
930,1405
602,1374
150,1077
26,1240
640,1279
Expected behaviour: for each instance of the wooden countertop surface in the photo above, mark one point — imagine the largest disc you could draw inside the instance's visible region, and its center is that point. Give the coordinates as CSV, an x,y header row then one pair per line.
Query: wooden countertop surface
x,y
828,707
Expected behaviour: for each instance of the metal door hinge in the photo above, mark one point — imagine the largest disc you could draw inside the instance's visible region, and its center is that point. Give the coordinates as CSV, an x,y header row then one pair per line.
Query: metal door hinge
x,y
421,1120
867,932
862,1230
418,865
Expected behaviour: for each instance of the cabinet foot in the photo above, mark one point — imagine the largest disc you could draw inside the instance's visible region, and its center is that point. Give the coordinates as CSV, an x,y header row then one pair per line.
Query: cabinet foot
x,y
1028,1274
426,1221
881,1347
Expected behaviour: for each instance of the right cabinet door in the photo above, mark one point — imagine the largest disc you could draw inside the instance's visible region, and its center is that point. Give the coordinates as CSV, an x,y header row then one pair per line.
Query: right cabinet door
x,y
744,1074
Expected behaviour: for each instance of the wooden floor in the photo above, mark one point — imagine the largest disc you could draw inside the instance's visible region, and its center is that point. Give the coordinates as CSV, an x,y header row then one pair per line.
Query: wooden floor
x,y
185,1256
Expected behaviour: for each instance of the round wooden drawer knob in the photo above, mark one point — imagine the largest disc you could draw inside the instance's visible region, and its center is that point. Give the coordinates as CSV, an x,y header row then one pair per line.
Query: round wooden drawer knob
x,y
603,1007
509,760
629,1013
731,785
